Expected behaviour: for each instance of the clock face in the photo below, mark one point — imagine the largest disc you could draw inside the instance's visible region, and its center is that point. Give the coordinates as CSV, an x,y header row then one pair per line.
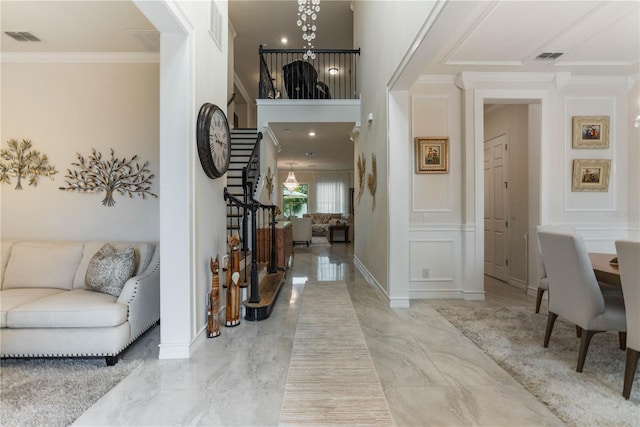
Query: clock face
x,y
213,140
218,140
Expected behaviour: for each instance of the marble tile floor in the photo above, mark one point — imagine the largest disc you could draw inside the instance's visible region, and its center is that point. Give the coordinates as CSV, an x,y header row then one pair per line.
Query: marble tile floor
x,y
431,374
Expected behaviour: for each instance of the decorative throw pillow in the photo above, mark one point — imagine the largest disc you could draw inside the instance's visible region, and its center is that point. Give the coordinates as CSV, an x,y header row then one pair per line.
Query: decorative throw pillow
x,y
109,269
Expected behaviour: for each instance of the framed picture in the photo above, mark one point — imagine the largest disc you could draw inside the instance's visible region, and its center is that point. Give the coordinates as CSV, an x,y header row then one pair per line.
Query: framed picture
x,y
591,175
591,132
432,154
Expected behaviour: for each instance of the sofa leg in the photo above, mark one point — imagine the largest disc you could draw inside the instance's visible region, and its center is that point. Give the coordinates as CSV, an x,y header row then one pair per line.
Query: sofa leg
x,y
112,360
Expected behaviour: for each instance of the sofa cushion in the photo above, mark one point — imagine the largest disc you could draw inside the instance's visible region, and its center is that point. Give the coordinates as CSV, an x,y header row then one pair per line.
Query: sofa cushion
x,y
143,251
109,269
42,265
78,308
12,298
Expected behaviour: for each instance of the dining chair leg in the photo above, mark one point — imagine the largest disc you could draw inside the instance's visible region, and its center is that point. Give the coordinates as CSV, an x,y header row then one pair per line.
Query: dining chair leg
x,y
539,299
630,371
551,320
622,337
584,346
578,331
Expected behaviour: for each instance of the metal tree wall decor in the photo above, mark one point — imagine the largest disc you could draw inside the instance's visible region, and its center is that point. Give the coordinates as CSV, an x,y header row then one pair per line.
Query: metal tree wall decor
x,y
111,176
22,162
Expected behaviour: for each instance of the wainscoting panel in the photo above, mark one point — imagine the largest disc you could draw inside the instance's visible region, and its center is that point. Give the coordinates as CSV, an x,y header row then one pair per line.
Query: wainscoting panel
x,y
435,263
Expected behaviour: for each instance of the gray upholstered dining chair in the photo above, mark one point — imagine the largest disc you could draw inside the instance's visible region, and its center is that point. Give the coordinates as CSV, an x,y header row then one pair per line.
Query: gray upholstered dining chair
x,y
574,293
543,282
629,264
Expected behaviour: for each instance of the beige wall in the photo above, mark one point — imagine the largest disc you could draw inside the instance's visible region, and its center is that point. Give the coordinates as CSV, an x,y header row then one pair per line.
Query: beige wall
x,y
71,108
383,48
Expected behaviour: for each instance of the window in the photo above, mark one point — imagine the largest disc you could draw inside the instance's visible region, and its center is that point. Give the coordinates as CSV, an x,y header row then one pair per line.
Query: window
x,y
295,202
332,189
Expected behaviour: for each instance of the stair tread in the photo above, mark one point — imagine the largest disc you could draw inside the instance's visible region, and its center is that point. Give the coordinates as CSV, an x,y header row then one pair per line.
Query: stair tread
x,y
267,289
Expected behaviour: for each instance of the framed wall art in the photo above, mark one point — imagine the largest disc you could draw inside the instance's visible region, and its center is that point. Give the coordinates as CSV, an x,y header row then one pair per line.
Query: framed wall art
x,y
432,154
591,132
591,175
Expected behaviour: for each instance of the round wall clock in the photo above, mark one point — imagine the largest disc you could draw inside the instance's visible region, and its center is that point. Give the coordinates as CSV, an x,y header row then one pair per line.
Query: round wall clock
x,y
213,140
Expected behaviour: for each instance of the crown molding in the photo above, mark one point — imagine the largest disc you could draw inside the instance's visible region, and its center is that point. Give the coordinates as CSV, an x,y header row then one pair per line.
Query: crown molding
x,y
437,79
80,57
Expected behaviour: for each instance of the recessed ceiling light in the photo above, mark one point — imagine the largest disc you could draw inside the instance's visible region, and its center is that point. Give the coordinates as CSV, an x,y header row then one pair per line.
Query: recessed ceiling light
x,y
310,154
333,71
312,133
284,40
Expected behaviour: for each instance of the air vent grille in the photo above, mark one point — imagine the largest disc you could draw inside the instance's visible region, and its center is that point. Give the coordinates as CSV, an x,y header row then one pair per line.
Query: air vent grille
x,y
22,36
548,56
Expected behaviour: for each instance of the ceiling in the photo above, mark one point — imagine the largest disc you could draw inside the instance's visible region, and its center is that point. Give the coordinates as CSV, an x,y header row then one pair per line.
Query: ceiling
x,y
596,38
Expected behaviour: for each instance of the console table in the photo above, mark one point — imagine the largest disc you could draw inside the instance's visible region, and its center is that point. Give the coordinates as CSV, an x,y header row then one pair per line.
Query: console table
x,y
284,244
343,228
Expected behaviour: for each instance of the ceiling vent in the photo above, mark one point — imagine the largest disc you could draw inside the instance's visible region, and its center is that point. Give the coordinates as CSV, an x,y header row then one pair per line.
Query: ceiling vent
x,y
22,36
149,39
548,56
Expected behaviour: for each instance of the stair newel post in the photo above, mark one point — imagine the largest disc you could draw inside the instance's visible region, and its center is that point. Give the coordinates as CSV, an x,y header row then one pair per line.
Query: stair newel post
x,y
272,260
245,199
255,297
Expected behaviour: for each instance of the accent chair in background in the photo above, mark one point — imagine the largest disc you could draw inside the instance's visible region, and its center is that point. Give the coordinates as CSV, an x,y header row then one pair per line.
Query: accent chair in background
x,y
301,230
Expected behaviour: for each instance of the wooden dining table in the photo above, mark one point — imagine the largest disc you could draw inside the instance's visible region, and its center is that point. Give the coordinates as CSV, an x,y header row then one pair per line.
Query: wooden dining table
x,y
604,270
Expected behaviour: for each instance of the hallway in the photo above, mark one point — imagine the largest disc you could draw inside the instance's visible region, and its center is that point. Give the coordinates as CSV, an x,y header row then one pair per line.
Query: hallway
x,y
430,373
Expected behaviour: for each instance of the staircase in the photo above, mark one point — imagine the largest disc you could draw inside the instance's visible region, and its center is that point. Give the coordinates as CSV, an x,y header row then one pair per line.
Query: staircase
x,y
253,221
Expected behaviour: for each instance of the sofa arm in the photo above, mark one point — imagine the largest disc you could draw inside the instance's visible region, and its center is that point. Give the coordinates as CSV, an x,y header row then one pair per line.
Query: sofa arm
x,y
142,294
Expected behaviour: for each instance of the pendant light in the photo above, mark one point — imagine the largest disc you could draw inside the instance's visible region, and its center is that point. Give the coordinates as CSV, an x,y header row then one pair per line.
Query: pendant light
x,y
291,182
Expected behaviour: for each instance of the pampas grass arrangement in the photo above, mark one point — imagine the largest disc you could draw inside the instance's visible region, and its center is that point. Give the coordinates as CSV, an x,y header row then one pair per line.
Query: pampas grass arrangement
x,y
372,179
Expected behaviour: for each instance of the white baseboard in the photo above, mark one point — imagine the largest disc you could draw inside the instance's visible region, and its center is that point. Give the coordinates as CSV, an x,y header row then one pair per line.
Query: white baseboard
x,y
520,284
174,351
372,280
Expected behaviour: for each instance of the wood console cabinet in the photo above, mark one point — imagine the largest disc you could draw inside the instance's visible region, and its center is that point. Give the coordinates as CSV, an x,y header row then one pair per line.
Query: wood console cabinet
x,y
284,244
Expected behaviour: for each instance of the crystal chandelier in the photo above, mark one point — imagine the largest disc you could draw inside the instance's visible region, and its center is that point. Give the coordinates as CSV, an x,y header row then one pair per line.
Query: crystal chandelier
x,y
307,14
291,182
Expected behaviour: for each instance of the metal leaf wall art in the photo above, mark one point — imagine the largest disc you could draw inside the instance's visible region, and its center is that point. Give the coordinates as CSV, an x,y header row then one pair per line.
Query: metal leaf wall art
x,y
122,176
362,167
22,162
372,179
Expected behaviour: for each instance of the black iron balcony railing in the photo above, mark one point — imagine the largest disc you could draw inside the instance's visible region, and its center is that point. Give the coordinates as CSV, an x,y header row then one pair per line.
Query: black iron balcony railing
x,y
285,74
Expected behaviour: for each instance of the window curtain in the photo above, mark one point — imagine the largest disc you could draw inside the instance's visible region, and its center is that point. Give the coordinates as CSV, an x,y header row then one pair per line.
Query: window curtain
x,y
332,192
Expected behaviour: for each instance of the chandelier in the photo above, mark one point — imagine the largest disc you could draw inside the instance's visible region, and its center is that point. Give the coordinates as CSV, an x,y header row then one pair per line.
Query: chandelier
x,y
291,182
307,14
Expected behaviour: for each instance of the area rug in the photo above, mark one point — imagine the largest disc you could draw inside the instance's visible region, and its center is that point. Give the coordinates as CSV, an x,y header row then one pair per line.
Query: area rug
x,y
320,242
513,337
331,378
54,392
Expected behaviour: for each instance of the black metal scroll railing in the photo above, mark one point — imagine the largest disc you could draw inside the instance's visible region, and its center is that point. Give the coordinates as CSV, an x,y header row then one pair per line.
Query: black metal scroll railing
x,y
250,176
284,73
263,227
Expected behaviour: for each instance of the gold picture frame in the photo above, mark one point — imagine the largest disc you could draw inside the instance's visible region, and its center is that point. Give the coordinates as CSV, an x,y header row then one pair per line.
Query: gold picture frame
x,y
432,154
591,175
591,132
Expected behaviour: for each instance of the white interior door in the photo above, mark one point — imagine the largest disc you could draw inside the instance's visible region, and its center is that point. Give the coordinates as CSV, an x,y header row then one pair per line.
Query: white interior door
x,y
496,208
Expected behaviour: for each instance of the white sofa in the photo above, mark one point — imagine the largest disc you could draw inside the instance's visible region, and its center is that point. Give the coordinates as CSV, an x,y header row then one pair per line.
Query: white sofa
x,y
47,312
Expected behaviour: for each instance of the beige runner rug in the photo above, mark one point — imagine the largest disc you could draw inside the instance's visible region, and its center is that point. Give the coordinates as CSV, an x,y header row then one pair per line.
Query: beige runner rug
x,y
331,380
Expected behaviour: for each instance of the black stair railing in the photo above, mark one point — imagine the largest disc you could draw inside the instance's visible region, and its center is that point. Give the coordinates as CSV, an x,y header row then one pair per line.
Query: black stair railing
x,y
250,176
284,73
252,208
